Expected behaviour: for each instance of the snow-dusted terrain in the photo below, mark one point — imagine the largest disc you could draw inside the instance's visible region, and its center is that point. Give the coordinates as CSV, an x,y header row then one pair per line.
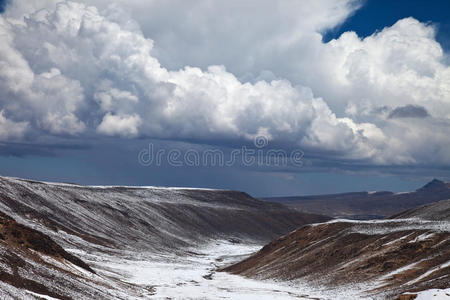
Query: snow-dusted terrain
x,y
64,241
194,277
368,259
134,242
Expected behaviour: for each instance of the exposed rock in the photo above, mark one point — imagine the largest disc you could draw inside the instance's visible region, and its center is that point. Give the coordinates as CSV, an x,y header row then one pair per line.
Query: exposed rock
x,y
18,235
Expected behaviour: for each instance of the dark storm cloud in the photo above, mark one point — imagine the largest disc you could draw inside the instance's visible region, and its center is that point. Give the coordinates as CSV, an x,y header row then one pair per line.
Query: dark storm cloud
x,y
39,149
409,111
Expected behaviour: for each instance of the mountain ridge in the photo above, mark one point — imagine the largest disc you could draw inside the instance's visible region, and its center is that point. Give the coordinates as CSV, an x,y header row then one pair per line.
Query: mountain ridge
x,y
367,205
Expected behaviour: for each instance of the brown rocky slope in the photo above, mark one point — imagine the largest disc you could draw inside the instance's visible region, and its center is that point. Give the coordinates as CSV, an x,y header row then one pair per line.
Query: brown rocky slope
x,y
381,258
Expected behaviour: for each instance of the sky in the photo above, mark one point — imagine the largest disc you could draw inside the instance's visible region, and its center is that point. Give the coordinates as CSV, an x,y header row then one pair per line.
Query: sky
x,y
268,97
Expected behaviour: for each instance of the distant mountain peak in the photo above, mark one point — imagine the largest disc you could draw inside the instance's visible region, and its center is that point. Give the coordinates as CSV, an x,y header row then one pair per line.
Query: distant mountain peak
x,y
434,184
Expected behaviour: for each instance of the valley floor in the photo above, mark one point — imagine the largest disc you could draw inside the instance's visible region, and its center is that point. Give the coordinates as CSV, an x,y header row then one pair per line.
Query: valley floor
x,y
193,276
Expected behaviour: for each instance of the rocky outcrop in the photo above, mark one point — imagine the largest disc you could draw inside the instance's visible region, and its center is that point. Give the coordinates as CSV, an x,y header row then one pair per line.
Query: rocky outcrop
x,y
17,235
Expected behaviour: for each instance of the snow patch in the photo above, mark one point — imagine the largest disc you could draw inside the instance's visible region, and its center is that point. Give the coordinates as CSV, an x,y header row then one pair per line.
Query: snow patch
x,y
41,296
435,294
422,237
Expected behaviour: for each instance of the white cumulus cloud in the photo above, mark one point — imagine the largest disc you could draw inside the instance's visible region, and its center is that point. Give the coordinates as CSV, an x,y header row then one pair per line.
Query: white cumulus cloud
x,y
125,126
73,68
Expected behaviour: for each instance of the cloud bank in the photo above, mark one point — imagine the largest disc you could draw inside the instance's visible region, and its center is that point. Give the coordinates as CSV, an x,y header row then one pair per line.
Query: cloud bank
x,y
226,71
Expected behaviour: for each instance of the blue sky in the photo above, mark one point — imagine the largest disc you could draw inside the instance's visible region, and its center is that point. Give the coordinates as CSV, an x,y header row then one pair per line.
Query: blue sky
x,y
377,14
359,87
2,5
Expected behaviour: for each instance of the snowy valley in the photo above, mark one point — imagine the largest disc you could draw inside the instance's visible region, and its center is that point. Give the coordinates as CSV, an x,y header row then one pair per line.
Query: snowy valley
x,y
65,241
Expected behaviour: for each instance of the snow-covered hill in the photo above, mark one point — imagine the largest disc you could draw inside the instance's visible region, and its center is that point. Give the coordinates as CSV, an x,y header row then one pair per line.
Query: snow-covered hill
x,y
108,232
379,259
